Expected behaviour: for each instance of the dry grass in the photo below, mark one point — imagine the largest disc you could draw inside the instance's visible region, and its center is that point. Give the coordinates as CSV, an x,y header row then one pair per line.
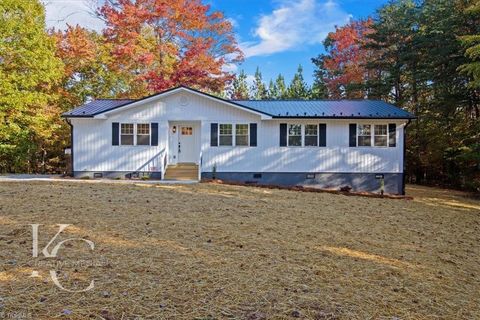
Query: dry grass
x,y
229,252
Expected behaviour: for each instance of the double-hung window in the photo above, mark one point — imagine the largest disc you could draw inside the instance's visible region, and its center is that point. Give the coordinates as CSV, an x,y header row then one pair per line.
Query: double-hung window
x,y
241,135
381,135
311,135
226,135
143,134
364,133
127,134
295,135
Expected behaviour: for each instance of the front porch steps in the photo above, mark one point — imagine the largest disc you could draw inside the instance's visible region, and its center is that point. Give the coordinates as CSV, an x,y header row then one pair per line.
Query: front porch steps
x,y
182,171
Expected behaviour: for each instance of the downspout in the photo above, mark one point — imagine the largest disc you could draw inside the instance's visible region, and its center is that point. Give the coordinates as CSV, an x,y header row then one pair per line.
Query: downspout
x,y
404,154
71,145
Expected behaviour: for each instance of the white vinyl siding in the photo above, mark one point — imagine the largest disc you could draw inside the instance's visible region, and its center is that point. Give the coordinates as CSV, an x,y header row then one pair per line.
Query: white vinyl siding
x,y
336,157
93,150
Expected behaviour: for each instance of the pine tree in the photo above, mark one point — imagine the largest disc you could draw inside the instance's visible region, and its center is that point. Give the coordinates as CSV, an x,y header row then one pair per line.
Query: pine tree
x,y
472,44
272,91
258,90
240,87
298,89
281,87
319,89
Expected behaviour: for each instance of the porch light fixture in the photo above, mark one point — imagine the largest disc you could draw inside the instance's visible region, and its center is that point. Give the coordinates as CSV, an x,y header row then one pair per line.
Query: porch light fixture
x,y
174,129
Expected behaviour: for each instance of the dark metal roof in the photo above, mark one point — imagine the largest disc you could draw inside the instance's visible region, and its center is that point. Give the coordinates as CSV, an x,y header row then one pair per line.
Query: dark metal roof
x,y
327,109
275,108
95,107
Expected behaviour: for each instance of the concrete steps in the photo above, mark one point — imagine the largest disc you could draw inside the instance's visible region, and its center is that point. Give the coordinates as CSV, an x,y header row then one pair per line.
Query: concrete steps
x,y
182,171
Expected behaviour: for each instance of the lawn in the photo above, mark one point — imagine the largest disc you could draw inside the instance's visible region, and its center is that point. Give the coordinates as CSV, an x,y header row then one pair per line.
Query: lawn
x,y
229,252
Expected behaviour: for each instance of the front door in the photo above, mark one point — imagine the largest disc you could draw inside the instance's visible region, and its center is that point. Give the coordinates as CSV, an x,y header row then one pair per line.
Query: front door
x,y
186,144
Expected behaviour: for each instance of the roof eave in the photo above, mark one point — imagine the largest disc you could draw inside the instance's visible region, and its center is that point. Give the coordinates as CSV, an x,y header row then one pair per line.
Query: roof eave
x,y
343,118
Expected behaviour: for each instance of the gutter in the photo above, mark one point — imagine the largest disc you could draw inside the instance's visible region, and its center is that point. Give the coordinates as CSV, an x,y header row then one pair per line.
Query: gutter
x,y
404,154
71,144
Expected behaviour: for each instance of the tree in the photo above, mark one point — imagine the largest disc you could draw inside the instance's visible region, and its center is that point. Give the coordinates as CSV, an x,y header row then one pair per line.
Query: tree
x,y
281,87
29,119
239,89
258,90
272,90
89,67
343,69
472,44
298,89
161,44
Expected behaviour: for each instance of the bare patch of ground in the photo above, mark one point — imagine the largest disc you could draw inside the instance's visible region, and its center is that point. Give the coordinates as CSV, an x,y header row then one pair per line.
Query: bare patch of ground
x,y
229,252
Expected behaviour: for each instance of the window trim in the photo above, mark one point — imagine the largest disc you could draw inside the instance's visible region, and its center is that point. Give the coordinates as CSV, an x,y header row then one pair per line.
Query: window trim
x,y
248,134
386,135
234,134
302,131
305,135
120,134
372,135
220,135
149,134
135,123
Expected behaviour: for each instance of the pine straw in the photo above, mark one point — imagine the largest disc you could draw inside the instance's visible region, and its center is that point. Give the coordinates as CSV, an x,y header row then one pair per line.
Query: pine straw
x,y
211,251
311,189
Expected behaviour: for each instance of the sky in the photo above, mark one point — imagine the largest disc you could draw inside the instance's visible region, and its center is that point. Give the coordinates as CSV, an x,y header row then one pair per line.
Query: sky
x,y
275,35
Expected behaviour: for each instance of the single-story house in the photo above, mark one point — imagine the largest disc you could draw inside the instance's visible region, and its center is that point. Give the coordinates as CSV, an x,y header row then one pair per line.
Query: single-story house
x,y
184,133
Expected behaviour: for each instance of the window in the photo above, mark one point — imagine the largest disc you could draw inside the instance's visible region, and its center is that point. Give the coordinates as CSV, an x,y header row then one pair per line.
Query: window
x,y
295,135
311,135
225,134
241,135
381,135
126,134
187,131
364,133
143,134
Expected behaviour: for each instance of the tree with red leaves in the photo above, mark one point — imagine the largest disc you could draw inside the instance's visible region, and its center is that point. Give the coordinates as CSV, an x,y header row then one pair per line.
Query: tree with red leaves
x,y
159,44
343,69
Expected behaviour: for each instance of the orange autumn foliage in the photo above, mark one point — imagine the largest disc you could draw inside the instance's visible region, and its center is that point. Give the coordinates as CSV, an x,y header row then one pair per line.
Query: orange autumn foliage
x,y
347,58
165,43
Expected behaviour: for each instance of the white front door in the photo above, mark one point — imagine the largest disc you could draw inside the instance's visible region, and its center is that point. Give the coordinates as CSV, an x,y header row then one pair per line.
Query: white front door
x,y
186,144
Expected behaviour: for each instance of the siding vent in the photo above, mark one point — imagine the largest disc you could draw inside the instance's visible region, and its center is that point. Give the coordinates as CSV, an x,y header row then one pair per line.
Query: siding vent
x,y
310,175
257,176
98,175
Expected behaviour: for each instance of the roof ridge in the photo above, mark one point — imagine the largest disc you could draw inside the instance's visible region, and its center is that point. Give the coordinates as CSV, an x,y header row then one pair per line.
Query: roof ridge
x,y
305,100
113,99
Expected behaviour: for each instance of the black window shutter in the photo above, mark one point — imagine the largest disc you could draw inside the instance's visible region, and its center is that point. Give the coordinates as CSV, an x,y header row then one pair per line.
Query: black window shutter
x,y
253,134
115,133
392,134
283,134
353,135
322,135
214,134
154,134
